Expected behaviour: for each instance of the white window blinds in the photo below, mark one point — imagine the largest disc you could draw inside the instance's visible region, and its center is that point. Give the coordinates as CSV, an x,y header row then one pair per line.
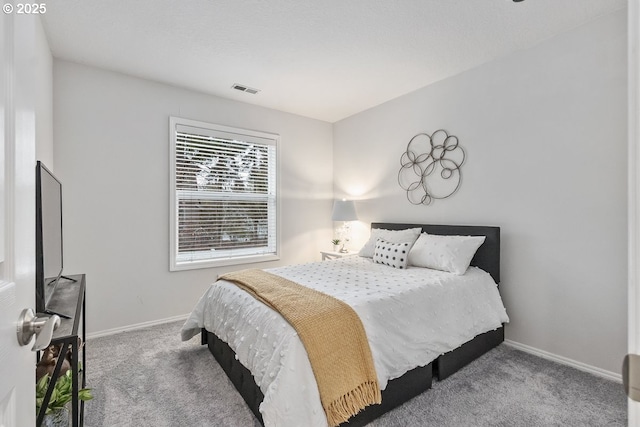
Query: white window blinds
x,y
224,207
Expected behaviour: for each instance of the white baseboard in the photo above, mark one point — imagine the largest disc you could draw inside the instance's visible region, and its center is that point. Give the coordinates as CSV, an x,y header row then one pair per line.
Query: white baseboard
x,y
527,349
136,326
566,361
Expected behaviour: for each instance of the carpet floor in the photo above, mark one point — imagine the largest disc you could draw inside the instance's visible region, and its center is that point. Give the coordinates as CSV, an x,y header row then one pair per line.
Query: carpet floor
x,y
148,377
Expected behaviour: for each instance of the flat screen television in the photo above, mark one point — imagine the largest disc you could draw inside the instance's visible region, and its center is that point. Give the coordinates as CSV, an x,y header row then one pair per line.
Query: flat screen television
x,y
48,235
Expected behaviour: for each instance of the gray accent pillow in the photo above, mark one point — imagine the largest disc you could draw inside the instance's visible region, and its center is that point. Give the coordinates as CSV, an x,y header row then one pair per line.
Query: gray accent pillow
x,y
394,255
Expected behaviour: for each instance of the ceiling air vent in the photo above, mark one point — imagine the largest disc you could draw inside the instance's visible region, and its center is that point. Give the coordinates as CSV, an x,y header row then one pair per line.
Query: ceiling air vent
x,y
244,88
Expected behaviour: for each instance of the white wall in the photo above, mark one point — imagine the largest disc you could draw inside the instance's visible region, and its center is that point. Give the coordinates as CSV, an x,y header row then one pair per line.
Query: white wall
x,y
112,155
44,98
545,132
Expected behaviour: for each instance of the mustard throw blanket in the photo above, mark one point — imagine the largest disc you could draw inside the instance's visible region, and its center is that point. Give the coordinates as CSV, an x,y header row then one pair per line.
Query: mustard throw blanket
x,y
333,336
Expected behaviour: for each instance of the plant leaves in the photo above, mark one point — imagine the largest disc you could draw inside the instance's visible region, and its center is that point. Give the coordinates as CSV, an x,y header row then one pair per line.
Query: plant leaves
x,y
41,386
85,394
62,392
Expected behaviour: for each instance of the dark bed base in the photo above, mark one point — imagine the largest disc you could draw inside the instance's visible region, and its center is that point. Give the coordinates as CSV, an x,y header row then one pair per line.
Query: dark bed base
x,y
398,391
449,363
239,375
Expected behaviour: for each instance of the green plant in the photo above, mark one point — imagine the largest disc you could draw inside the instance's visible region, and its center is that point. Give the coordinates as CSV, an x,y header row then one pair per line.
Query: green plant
x,y
336,241
61,395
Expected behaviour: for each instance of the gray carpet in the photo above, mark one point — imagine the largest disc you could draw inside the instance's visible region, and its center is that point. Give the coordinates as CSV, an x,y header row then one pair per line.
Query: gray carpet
x,y
148,377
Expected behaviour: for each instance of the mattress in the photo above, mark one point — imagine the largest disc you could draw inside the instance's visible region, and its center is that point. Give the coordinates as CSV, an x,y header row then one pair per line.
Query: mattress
x,y
410,317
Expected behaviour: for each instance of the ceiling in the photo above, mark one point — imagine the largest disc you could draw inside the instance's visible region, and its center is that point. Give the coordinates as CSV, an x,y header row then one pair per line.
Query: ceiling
x,y
324,59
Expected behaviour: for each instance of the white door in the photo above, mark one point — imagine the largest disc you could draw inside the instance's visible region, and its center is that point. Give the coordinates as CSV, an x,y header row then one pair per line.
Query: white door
x,y
17,215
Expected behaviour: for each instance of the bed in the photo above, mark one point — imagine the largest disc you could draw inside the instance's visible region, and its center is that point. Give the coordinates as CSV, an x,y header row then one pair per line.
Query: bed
x,y
400,385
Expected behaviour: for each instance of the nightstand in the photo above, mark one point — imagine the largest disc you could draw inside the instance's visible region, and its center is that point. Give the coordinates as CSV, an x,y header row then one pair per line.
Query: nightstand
x,y
335,254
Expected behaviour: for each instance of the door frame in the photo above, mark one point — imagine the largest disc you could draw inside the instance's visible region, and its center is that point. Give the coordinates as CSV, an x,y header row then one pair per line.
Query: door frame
x,y
633,37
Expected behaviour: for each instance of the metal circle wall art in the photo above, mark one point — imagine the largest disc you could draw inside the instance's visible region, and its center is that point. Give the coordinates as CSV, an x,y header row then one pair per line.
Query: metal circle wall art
x,y
430,167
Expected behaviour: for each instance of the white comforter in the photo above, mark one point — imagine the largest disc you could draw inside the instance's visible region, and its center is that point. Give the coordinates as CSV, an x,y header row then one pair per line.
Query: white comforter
x,y
410,316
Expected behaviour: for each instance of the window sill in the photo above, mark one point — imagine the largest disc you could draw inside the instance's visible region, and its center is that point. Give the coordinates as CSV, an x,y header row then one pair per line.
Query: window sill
x,y
221,262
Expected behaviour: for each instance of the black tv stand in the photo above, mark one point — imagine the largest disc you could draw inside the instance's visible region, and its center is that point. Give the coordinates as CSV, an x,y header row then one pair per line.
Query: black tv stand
x,y
64,316
70,336
56,281
49,311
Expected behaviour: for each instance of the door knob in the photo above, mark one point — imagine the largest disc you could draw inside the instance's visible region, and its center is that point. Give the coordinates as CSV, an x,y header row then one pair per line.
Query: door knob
x,y
42,327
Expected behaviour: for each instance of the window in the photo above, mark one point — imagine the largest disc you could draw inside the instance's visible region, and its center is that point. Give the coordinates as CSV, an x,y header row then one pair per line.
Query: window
x,y
223,195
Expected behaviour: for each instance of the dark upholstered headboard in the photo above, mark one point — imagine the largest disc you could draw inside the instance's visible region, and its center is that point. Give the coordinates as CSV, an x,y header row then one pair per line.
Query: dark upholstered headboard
x,y
488,255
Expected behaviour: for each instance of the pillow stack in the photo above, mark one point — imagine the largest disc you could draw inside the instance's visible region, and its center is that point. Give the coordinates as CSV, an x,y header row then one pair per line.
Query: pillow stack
x,y
400,248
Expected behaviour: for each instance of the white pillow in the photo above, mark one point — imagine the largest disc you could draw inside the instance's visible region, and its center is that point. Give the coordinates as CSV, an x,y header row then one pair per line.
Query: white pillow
x,y
392,236
392,254
446,253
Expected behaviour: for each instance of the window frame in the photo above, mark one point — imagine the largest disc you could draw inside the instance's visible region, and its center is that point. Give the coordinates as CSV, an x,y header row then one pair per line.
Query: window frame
x,y
237,259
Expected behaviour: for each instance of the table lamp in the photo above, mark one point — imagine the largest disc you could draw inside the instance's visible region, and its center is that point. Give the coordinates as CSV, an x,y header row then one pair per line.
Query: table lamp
x,y
345,211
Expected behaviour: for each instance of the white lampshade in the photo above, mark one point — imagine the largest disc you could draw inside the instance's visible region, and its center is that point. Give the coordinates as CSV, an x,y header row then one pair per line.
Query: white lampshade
x,y
344,210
